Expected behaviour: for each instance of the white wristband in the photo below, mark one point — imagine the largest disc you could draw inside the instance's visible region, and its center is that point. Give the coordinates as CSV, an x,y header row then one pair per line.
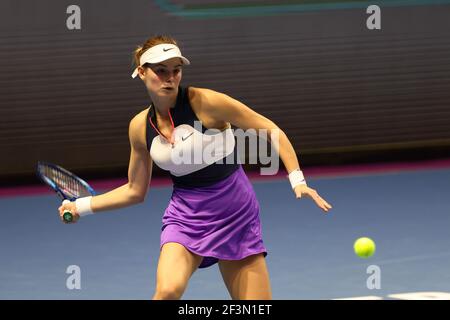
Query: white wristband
x,y
83,206
296,178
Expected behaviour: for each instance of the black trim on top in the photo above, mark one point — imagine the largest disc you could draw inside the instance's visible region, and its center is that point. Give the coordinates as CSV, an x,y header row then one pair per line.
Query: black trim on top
x,y
182,113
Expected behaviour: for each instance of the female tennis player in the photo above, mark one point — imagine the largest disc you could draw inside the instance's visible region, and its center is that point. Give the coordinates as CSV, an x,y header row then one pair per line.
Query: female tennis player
x,y
213,213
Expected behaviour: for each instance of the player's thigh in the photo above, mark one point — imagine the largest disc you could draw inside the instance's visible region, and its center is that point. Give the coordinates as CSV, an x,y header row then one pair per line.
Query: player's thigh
x,y
247,278
176,265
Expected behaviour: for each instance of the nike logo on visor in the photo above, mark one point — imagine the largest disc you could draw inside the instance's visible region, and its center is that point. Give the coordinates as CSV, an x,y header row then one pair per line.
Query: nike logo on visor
x,y
167,49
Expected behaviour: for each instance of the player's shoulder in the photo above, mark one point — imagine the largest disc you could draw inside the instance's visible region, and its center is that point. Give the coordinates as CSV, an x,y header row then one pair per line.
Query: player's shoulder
x,y
204,96
139,119
137,127
196,91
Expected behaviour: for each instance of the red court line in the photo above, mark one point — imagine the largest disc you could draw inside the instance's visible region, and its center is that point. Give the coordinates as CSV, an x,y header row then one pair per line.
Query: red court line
x,y
360,169
312,172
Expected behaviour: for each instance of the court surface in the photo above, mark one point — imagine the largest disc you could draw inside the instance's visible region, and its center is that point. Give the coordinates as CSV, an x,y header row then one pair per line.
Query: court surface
x,y
310,253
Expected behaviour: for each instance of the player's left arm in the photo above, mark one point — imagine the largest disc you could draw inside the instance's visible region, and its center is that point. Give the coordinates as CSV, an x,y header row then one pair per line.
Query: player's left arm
x,y
220,106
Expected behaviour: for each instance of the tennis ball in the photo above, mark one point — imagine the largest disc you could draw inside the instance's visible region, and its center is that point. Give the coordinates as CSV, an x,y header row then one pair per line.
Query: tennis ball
x,y
364,247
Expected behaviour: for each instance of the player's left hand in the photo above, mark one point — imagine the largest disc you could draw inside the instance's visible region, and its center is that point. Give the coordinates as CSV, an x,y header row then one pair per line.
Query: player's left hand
x,y
304,190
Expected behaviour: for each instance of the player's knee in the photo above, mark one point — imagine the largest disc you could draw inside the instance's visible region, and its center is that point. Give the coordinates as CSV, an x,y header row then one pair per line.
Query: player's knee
x,y
168,292
257,295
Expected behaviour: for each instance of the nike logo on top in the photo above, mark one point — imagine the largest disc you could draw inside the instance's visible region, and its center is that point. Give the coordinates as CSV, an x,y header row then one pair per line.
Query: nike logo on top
x,y
184,138
164,49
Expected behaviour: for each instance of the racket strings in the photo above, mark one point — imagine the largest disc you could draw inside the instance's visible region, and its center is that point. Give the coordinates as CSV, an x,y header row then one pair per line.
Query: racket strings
x,y
70,186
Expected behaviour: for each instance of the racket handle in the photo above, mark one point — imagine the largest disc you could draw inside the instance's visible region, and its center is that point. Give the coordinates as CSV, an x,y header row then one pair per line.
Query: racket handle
x,y
67,215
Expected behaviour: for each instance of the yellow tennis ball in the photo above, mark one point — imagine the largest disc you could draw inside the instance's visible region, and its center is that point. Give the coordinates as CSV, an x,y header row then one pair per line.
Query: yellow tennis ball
x,y
364,247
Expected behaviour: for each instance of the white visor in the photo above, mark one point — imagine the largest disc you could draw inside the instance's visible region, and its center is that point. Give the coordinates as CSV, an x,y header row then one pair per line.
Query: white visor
x,y
159,53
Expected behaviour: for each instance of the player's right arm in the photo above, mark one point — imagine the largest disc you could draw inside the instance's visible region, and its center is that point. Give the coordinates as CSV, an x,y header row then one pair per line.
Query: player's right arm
x,y
139,174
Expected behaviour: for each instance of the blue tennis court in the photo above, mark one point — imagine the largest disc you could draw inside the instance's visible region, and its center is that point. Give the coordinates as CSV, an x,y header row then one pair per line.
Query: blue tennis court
x,y
310,253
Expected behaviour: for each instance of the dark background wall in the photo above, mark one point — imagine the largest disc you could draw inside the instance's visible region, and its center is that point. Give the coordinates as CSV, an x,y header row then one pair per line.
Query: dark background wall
x,y
341,92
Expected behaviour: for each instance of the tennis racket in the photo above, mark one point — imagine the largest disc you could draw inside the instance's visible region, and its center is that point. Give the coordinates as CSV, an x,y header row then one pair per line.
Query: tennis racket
x,y
67,185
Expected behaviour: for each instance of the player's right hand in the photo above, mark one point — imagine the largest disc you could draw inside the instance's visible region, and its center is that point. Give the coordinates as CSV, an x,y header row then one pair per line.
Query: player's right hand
x,y
72,208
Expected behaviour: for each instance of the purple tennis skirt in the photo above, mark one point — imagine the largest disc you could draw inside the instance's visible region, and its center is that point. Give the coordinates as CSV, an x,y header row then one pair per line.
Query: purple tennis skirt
x,y
218,222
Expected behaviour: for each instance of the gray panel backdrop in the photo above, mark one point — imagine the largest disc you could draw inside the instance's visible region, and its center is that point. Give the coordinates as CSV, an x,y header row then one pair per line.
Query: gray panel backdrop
x,y
333,85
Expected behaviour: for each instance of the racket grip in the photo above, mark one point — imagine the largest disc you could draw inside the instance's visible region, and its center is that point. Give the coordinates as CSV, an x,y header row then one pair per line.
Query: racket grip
x,y
67,215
